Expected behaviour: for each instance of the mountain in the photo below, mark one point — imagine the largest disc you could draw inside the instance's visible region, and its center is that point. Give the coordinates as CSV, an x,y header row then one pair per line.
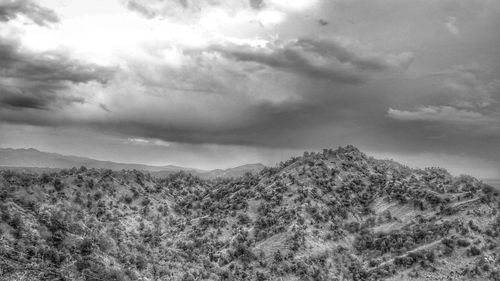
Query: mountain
x,y
218,173
232,172
493,182
38,161
334,215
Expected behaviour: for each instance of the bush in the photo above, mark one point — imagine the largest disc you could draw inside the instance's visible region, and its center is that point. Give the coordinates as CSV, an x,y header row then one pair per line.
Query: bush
x,y
243,219
16,222
146,202
278,257
474,251
58,185
86,247
127,199
140,262
463,242
45,178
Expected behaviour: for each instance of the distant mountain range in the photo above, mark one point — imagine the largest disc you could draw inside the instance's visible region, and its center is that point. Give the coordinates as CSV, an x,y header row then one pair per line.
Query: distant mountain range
x,y
493,182
38,161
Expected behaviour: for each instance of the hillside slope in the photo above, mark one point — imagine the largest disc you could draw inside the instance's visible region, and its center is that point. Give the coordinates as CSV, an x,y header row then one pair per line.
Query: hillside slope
x,y
335,215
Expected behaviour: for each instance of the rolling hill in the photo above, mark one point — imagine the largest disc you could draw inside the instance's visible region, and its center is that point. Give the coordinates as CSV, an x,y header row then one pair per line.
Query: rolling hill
x,y
334,215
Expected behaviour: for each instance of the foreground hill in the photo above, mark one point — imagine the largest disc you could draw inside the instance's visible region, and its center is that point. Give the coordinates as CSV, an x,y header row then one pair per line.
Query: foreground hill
x,y
335,215
32,160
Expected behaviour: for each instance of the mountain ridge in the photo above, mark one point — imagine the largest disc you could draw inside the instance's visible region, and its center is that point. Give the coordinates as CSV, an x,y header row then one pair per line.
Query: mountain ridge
x,y
40,160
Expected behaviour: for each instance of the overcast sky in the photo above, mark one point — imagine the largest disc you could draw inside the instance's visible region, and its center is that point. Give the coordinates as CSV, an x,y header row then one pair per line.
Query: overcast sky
x,y
219,83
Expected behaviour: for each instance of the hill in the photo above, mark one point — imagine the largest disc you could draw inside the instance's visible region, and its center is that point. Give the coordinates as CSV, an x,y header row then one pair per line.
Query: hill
x,y
493,182
32,160
334,215
232,172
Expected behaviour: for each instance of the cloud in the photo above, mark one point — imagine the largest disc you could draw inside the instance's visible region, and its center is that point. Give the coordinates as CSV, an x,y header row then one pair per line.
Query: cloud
x,y
217,18
155,142
317,58
225,17
471,86
447,114
361,61
39,80
206,100
140,8
256,4
206,96
463,106
11,9
451,26
199,103
184,8
173,8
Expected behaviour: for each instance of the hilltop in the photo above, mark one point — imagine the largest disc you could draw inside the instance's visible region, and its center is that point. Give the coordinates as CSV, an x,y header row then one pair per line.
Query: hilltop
x,y
334,215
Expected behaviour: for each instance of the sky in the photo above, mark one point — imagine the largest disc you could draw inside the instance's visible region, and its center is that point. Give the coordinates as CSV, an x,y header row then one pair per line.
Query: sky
x,y
219,83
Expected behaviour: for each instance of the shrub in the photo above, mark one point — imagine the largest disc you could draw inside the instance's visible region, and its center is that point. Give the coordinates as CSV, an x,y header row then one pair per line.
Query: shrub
x,y
127,199
463,242
140,262
16,222
58,185
146,202
45,178
243,219
86,247
278,257
474,251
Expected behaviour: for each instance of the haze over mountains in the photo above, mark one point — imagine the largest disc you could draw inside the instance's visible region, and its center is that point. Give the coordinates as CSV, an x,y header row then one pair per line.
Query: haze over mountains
x,y
493,182
39,160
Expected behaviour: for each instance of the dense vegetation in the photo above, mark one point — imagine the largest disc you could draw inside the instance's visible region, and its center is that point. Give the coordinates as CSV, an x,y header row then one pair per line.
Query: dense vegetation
x,y
334,215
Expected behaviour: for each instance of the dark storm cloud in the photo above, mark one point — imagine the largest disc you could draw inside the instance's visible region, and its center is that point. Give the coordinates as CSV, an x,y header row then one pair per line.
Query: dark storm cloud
x,y
332,49
270,126
318,58
217,118
19,101
141,9
38,80
35,96
235,103
323,22
256,4
11,9
184,3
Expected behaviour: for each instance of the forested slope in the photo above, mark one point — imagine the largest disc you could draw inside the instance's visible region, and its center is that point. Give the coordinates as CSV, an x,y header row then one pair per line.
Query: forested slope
x,y
334,215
